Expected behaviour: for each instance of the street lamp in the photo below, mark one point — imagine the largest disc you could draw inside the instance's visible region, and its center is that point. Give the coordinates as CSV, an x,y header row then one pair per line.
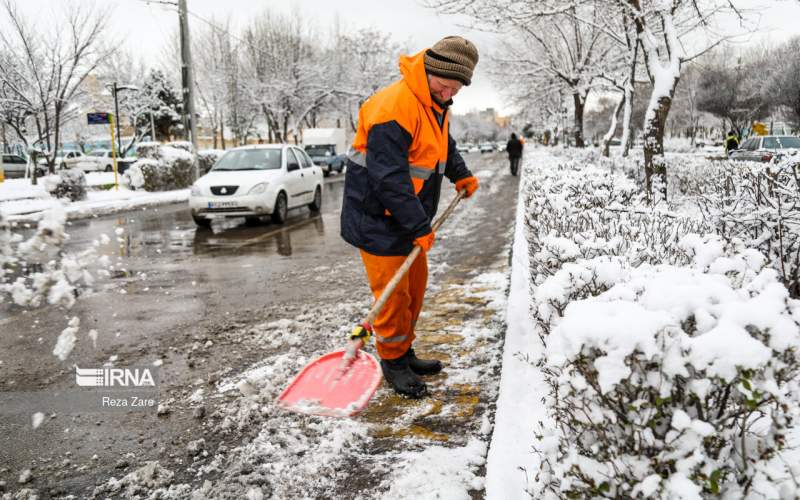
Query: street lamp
x,y
114,88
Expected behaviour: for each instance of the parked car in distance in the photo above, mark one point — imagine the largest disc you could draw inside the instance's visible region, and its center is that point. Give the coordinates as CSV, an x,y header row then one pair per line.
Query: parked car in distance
x,y
102,160
256,181
67,159
14,166
326,147
462,148
486,147
766,148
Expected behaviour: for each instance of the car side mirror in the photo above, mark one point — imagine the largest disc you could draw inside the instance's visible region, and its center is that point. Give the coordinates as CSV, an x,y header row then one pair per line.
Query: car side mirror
x,y
291,167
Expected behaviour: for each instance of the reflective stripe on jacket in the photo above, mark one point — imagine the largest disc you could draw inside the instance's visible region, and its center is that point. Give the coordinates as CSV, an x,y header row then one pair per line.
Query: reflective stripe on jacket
x,y
401,150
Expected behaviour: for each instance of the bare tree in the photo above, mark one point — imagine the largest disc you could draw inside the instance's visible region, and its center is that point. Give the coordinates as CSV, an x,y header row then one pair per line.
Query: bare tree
x,y
45,70
547,48
286,72
731,88
661,28
215,55
784,85
366,61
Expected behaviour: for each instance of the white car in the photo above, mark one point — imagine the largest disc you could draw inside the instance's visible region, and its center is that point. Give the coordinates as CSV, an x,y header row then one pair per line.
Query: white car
x,y
255,181
101,160
15,166
70,159
486,147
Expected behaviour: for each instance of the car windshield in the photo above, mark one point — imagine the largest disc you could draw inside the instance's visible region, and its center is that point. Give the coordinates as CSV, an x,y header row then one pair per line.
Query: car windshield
x,y
789,142
319,150
250,159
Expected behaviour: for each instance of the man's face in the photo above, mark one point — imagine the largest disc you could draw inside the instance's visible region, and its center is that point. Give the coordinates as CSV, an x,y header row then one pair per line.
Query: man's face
x,y
443,89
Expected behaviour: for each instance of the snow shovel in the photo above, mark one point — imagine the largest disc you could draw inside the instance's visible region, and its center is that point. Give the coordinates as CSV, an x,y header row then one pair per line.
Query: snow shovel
x,y
341,383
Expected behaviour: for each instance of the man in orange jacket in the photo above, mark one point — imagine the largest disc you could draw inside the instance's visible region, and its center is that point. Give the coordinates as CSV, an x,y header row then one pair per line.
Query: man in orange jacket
x,y
400,154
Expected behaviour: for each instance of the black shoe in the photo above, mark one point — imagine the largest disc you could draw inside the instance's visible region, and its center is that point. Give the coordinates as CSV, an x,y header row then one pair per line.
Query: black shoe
x,y
404,381
423,366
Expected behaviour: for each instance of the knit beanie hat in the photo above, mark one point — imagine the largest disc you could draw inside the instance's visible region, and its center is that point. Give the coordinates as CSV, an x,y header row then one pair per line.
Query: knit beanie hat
x,y
452,57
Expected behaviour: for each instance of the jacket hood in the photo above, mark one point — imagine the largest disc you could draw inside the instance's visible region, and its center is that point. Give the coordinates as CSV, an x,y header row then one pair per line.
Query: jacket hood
x,y
413,70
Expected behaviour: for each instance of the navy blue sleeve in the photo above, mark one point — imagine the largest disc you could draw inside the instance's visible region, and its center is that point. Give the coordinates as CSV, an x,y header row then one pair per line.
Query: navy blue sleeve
x,y
389,176
456,169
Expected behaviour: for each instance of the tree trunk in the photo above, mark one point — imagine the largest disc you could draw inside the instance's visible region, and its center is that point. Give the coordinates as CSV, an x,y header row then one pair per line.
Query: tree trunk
x,y
353,126
222,128
51,158
654,125
626,120
613,128
579,104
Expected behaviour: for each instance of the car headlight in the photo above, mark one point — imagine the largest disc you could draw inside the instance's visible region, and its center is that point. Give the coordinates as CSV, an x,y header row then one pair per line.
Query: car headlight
x,y
195,191
258,188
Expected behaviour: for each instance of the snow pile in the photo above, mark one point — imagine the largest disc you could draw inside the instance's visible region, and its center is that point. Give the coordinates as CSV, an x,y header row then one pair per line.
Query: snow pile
x,y
66,341
161,167
671,358
149,481
69,184
37,271
438,472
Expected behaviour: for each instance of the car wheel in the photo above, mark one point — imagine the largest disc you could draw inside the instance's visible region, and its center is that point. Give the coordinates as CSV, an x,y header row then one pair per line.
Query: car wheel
x,y
201,221
316,204
281,207
63,166
326,172
109,168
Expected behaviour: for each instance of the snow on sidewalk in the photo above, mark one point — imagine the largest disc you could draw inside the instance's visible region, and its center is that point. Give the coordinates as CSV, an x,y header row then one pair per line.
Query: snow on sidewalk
x,y
22,202
522,386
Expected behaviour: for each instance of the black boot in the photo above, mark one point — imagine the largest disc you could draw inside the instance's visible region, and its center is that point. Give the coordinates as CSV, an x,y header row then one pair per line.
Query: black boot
x,y
404,381
423,366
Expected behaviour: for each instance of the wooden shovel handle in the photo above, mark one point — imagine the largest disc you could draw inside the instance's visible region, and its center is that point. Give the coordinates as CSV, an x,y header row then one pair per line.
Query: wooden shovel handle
x,y
398,275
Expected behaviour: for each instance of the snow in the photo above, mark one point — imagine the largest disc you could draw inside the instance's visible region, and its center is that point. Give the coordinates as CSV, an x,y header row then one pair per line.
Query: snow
x,y
101,202
66,341
521,384
37,419
438,473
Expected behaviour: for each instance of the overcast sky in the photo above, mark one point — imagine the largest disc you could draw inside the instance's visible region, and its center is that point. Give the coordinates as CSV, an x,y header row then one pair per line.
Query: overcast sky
x,y
147,26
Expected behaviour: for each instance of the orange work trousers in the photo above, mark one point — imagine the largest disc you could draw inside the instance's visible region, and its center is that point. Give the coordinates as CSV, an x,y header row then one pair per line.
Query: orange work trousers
x,y
394,326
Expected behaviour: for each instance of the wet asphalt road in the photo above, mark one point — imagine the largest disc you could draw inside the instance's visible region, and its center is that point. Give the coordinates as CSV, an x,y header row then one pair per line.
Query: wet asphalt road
x,y
181,295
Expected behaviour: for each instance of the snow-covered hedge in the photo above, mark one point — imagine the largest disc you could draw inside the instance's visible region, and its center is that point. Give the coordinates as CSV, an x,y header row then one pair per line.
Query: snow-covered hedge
x,y
161,167
756,202
69,184
207,157
671,357
581,208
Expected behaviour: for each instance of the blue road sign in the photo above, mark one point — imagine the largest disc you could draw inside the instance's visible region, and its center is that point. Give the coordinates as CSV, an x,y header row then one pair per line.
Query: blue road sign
x,y
98,118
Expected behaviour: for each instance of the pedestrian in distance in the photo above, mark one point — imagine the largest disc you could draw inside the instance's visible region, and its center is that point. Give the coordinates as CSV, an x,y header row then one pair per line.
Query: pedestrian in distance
x,y
514,148
401,153
731,142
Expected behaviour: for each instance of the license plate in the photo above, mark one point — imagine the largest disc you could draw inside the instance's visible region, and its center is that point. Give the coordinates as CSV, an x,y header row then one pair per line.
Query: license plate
x,y
221,204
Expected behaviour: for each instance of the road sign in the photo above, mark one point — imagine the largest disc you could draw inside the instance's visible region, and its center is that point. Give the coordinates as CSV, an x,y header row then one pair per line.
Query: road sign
x,y
98,118
760,128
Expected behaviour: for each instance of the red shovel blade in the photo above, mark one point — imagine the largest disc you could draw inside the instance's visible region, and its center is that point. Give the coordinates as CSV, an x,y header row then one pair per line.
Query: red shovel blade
x,y
325,388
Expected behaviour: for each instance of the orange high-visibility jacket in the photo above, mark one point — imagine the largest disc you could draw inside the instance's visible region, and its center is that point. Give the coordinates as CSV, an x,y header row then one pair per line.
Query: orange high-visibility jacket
x,y
394,171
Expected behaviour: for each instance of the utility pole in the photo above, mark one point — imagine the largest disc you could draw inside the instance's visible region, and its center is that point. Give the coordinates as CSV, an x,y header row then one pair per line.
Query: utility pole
x,y
116,118
187,79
